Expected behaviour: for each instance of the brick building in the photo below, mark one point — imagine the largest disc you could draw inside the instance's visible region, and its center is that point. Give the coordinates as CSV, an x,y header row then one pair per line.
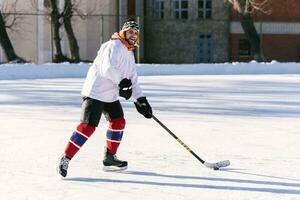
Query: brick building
x,y
279,32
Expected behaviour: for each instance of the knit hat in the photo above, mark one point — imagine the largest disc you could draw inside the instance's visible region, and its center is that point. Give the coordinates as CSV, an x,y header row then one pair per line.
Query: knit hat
x,y
130,24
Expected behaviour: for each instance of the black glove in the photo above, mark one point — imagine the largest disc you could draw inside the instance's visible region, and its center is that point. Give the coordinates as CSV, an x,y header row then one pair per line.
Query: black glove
x,y
125,88
143,107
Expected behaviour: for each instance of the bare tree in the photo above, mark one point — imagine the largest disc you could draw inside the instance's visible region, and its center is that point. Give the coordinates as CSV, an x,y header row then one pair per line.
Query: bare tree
x,y
5,41
245,8
55,27
67,16
59,18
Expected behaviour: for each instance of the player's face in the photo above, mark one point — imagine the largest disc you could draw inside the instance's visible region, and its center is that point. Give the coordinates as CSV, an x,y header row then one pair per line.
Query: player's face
x,y
132,36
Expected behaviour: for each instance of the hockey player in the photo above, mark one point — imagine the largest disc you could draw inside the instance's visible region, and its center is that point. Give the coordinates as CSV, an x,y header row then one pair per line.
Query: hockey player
x,y
111,75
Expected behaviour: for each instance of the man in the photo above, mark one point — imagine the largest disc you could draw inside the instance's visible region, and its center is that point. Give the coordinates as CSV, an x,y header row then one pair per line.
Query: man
x,y
111,75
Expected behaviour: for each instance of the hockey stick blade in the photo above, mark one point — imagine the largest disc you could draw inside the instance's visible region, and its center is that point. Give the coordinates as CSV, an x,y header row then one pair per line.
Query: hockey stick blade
x,y
217,165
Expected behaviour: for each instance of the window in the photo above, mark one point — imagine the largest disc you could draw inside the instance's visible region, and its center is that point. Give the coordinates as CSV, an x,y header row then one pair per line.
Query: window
x,y
244,48
204,9
205,48
180,8
158,9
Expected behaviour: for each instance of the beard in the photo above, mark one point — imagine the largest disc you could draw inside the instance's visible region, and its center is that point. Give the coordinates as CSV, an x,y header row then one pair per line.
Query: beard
x,y
131,42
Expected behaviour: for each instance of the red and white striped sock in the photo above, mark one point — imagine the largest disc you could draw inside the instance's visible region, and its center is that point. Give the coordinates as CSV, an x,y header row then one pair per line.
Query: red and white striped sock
x,y
114,134
78,138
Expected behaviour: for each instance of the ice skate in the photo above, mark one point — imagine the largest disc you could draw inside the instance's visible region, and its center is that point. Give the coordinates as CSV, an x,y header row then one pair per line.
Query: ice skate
x,y
112,163
63,165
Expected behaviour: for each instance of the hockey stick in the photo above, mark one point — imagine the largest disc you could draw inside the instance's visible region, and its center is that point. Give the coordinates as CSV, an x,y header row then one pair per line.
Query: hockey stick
x,y
214,166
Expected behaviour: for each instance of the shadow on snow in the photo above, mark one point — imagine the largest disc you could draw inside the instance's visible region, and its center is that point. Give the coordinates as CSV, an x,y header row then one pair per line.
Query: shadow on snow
x,y
229,97
266,189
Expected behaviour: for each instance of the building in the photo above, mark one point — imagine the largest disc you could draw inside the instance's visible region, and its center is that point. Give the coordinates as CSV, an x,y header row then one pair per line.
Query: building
x,y
186,31
279,33
172,31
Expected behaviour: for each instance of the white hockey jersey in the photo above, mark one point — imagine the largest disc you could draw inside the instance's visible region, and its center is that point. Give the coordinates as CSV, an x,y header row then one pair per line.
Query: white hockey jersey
x,y
113,63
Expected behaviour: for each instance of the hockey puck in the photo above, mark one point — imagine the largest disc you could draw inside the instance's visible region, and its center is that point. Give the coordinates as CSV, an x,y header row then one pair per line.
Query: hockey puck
x,y
216,168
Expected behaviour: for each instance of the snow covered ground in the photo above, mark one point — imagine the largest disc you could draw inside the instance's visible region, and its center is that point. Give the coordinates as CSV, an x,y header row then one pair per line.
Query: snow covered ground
x,y
252,120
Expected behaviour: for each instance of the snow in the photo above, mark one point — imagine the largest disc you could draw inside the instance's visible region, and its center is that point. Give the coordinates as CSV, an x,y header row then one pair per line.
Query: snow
x,y
248,113
66,70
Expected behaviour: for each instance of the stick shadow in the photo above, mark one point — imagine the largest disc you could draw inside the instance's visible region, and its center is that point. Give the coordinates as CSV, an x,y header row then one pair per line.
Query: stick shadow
x,y
266,189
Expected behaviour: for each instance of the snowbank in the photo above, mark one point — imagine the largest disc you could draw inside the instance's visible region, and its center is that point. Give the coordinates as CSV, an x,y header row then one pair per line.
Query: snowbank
x,y
67,70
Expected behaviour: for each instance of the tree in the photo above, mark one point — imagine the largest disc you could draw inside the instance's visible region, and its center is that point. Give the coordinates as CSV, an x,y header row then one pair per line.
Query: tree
x,y
5,42
68,13
55,27
59,18
245,8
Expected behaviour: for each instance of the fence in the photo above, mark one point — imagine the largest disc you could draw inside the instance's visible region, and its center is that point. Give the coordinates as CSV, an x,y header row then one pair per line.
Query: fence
x,y
32,35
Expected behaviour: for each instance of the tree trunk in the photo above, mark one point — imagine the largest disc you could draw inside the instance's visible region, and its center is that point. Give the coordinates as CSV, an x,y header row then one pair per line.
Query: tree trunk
x,y
5,42
74,48
55,24
252,35
242,7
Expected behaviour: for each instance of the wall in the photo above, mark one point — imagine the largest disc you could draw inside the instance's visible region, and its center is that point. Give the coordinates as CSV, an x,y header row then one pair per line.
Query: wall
x,y
278,10
282,48
279,31
33,39
171,40
23,31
